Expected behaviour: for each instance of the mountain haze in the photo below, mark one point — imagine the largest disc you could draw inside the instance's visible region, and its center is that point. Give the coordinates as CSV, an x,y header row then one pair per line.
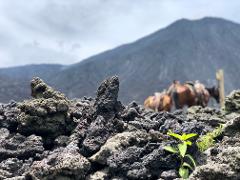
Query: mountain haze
x,y
185,50
15,81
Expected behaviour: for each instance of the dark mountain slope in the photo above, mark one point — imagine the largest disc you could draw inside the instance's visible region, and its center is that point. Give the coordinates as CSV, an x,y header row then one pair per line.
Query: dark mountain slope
x,y
12,89
14,81
28,71
185,50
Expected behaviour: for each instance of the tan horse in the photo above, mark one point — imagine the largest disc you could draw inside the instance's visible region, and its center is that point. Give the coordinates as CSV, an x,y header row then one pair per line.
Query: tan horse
x,y
159,102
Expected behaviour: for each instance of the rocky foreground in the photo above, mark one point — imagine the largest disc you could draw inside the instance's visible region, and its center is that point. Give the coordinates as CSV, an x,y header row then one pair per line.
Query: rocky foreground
x,y
51,137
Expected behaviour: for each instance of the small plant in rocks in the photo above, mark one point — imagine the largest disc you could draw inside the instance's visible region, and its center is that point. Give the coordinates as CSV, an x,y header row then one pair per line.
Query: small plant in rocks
x,y
208,140
187,162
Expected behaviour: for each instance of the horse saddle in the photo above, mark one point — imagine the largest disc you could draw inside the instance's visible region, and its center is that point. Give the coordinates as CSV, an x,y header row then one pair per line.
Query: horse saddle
x,y
191,83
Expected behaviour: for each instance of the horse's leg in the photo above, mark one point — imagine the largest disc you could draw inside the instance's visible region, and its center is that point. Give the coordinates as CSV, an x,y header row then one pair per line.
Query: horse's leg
x,y
168,105
176,99
205,100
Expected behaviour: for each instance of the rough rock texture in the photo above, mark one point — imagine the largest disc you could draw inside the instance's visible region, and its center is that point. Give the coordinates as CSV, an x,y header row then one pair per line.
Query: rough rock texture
x,y
47,114
41,90
51,137
107,94
136,162
8,116
223,160
99,175
13,167
62,163
232,102
19,146
207,115
118,143
101,120
98,132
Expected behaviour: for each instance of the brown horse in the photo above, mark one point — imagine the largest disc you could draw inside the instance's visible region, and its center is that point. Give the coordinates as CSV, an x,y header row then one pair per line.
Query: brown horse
x,y
188,94
159,102
182,94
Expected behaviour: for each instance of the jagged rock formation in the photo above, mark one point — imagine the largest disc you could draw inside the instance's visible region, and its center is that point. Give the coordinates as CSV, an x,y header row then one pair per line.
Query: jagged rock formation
x,y
47,114
223,160
52,137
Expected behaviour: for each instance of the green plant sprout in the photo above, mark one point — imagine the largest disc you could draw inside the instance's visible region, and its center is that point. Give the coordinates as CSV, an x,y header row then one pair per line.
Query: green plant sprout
x,y
181,150
208,140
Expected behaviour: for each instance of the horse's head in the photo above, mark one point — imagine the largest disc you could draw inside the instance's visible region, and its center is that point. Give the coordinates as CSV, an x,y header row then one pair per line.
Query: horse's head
x,y
214,92
172,87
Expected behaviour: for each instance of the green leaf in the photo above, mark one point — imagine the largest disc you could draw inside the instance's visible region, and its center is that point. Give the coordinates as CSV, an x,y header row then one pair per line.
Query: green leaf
x,y
171,149
192,160
177,136
188,136
187,165
182,149
188,143
183,172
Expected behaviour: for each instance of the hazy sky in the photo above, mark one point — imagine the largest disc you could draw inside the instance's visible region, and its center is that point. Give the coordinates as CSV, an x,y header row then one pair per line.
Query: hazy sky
x,y
67,31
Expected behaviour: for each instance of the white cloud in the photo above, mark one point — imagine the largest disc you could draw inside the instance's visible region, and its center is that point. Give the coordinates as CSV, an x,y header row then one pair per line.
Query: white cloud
x,y
66,31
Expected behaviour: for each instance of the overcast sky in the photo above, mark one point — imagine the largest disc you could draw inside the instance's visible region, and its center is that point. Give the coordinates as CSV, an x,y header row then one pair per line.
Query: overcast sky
x,y
67,31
